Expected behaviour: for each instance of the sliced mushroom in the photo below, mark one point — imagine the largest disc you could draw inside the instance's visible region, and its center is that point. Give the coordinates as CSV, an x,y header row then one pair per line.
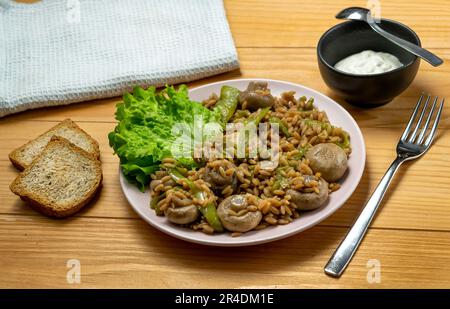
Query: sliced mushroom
x,y
257,95
217,177
309,201
329,160
182,215
235,222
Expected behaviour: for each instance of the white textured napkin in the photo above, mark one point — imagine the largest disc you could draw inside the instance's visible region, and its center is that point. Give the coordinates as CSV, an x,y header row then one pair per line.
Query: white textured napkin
x,y
57,52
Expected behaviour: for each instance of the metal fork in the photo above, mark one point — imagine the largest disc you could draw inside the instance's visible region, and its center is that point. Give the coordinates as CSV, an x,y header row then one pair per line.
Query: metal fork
x,y
415,141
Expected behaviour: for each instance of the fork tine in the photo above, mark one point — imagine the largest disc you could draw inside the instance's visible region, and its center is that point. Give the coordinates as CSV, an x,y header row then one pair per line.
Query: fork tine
x,y
411,119
419,122
435,125
427,123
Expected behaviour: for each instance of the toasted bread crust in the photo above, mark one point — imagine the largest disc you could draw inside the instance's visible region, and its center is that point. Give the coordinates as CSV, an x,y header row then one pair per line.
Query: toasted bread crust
x,y
14,156
45,206
16,163
44,209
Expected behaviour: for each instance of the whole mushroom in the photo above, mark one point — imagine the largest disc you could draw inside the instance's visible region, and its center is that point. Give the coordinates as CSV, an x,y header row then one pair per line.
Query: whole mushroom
x,y
236,223
182,215
329,160
256,96
218,179
181,210
311,200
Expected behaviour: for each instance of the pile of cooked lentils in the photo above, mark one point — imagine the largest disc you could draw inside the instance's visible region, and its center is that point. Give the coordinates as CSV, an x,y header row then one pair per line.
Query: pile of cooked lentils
x,y
242,195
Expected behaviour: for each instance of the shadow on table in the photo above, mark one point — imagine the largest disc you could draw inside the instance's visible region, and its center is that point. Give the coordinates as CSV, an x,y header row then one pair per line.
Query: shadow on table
x,y
308,249
294,251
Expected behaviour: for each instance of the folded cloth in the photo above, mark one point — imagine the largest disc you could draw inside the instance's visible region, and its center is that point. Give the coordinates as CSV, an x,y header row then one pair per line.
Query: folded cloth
x,y
58,52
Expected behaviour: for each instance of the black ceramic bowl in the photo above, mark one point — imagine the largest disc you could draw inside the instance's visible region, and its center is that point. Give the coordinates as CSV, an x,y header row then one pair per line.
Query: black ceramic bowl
x,y
352,37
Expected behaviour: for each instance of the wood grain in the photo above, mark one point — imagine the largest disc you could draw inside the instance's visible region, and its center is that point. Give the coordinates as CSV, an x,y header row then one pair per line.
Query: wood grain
x,y
298,65
274,39
406,206
293,23
129,253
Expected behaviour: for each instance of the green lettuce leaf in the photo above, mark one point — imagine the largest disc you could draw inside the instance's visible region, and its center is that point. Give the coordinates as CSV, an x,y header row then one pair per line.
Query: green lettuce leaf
x,y
144,134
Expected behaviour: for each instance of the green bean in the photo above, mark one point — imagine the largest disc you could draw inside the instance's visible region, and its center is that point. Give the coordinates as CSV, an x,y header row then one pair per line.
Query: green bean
x,y
227,104
258,116
209,211
325,126
154,204
254,119
309,105
242,113
302,99
281,124
346,140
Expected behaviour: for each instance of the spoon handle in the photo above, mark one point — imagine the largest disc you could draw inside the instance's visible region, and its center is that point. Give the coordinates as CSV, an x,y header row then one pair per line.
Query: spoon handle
x,y
412,48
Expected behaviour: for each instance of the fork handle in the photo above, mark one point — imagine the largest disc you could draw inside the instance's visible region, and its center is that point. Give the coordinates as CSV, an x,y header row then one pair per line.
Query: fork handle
x,y
344,253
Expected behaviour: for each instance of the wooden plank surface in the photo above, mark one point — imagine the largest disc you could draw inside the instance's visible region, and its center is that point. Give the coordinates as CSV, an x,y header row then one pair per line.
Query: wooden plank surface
x,y
405,207
129,253
300,23
298,65
275,39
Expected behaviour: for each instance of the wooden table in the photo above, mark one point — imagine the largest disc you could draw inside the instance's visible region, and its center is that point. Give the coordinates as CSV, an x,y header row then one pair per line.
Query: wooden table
x,y
410,237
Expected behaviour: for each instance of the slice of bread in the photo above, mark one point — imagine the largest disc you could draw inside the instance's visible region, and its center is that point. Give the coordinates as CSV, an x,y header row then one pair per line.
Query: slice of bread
x,y
61,180
24,155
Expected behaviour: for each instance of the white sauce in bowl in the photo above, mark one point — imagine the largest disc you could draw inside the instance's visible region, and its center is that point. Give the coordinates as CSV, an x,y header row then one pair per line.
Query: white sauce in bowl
x,y
368,62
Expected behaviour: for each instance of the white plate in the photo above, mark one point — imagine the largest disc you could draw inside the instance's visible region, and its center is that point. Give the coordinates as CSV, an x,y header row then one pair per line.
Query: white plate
x,y
338,116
